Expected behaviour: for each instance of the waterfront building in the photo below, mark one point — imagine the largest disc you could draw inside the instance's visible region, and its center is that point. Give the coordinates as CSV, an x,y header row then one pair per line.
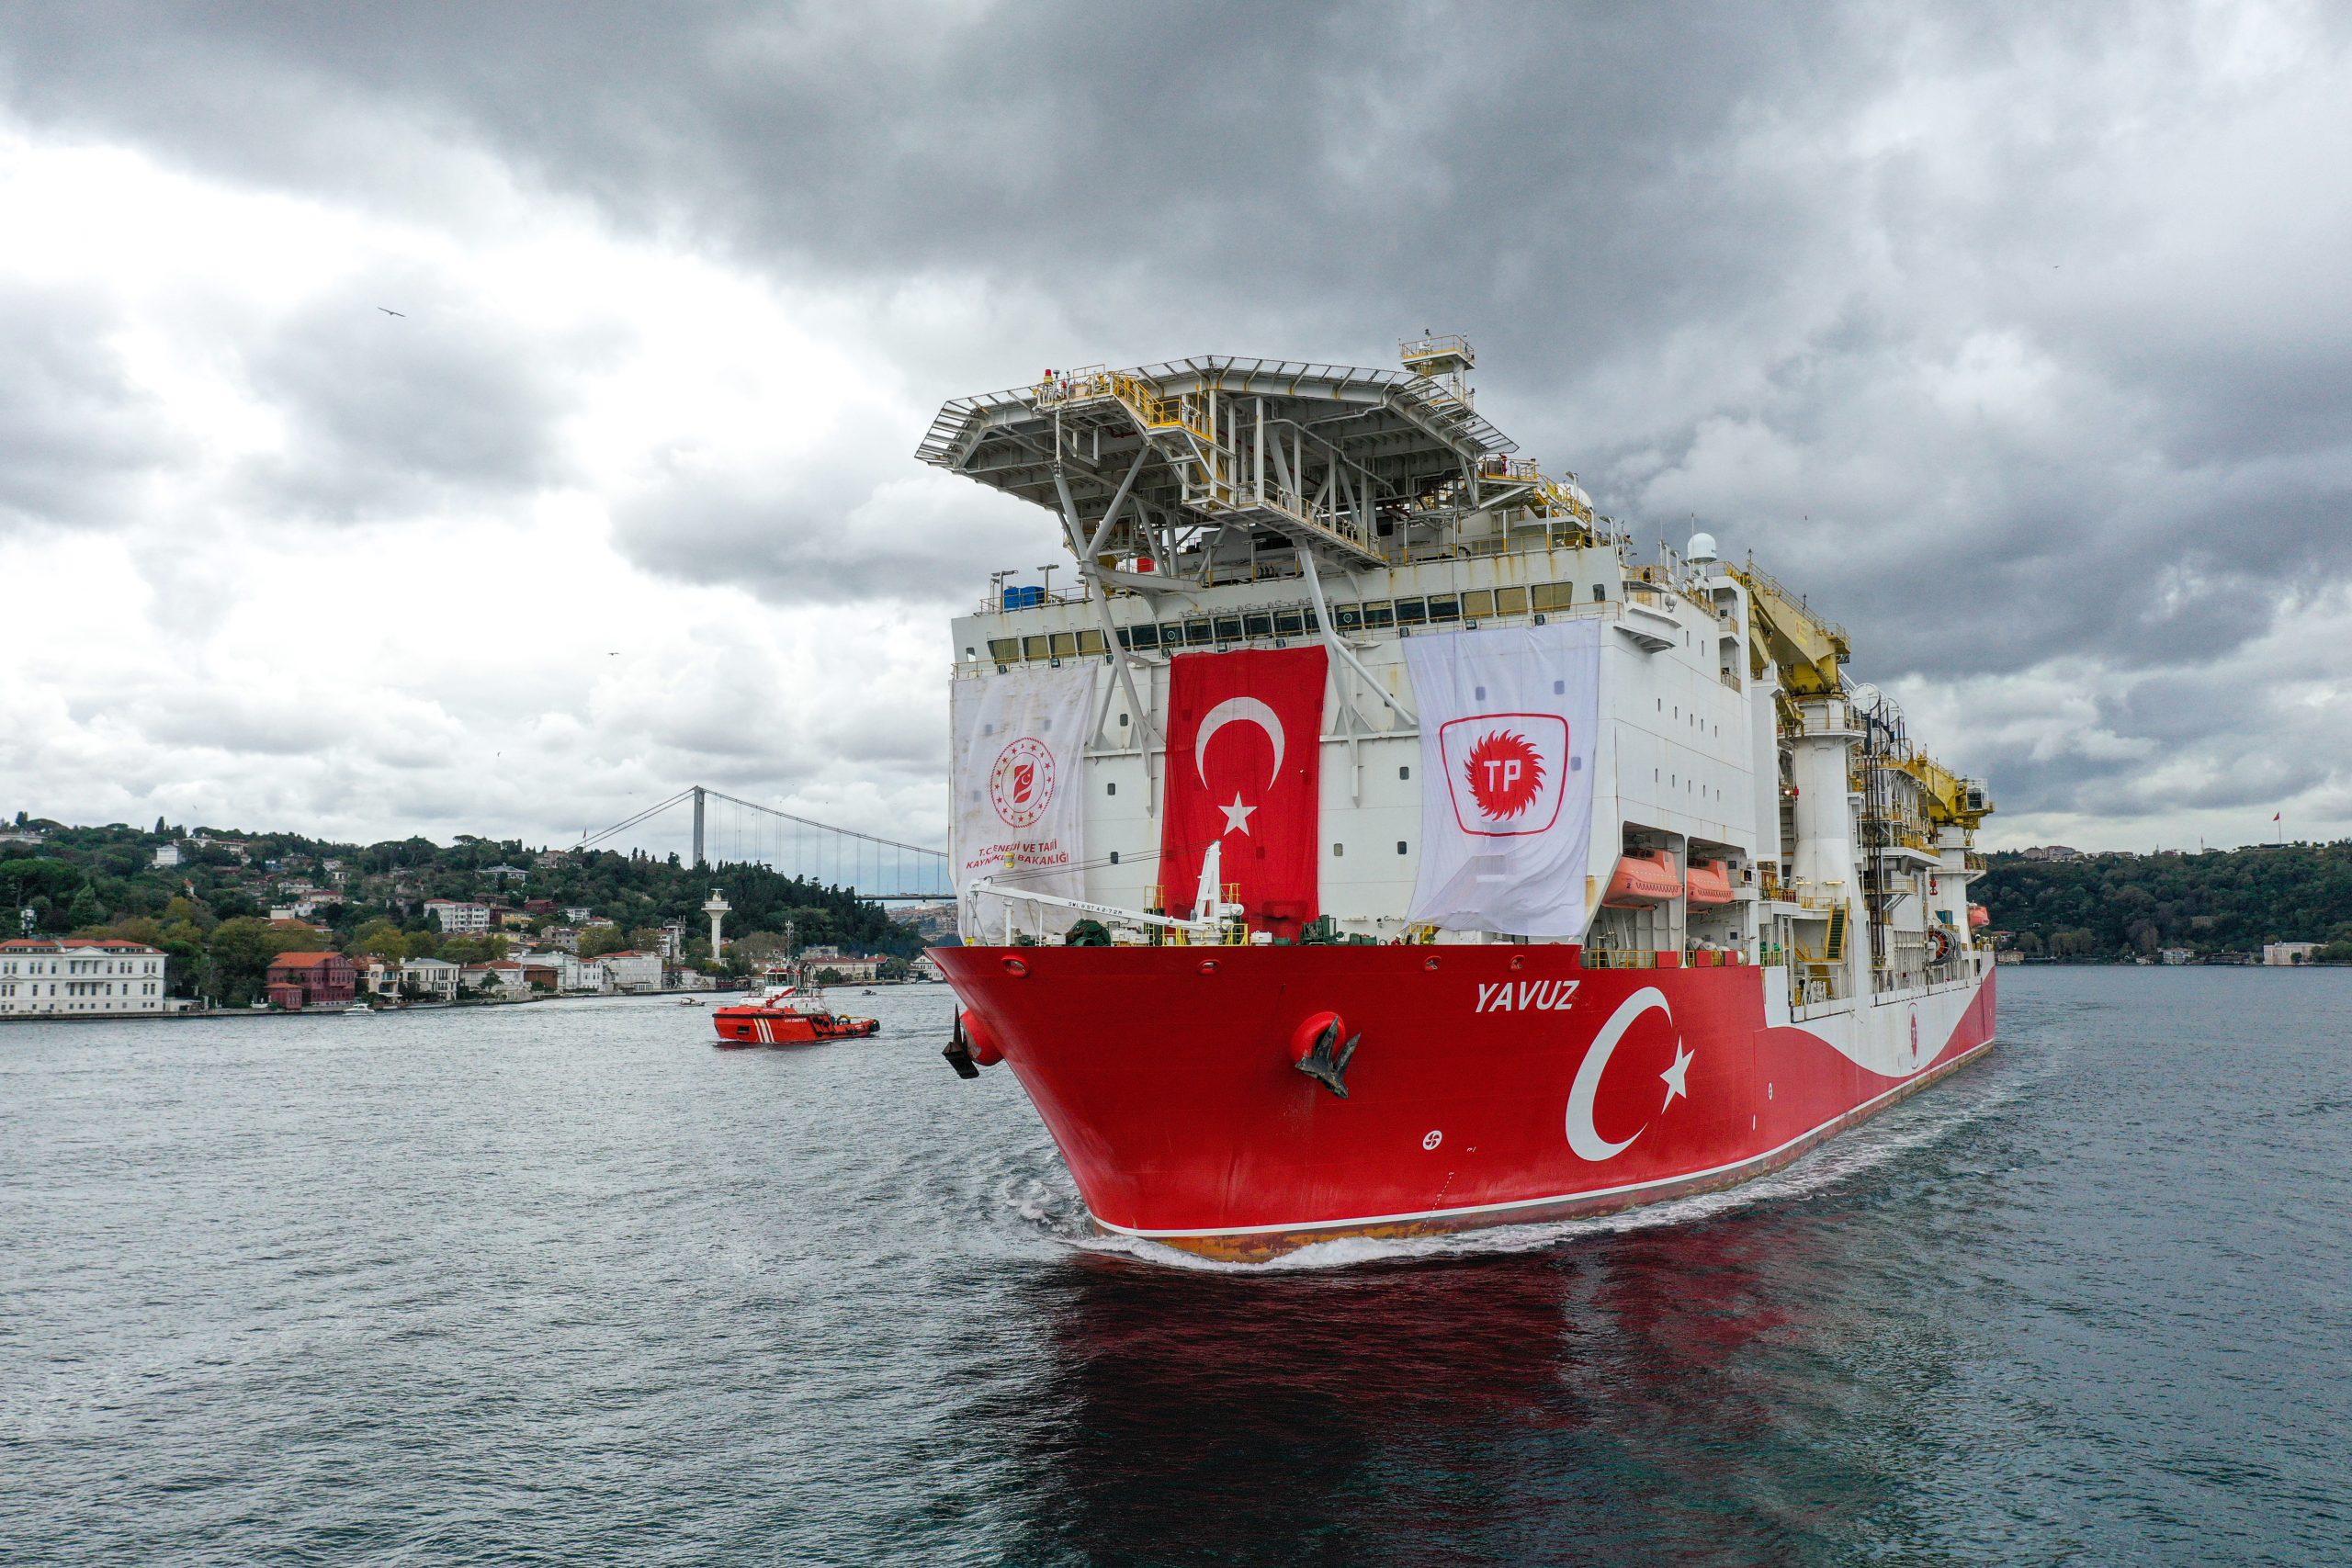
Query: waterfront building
x,y
81,976
2278,954
459,914
560,969
300,980
502,977
633,971
432,976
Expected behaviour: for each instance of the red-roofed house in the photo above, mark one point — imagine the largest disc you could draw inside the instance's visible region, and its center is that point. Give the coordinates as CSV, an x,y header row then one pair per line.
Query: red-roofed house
x,y
298,980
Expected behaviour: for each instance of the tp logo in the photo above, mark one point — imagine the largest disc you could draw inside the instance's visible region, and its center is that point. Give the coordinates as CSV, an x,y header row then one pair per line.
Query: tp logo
x,y
1504,770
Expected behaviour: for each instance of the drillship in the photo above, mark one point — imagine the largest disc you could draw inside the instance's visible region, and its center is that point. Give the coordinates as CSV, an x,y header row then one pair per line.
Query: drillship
x,y
1363,842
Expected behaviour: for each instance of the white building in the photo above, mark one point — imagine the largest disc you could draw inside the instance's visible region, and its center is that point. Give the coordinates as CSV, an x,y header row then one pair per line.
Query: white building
x,y
571,975
433,977
502,977
2281,954
168,854
852,971
458,915
633,971
81,976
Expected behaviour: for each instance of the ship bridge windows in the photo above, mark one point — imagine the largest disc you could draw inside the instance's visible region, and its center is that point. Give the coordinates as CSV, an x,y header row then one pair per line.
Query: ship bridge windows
x,y
1091,644
1290,623
1197,633
1004,649
1035,647
1348,617
1511,600
1257,624
1228,627
1380,612
1553,596
1444,607
1478,604
1144,634
1064,645
1411,611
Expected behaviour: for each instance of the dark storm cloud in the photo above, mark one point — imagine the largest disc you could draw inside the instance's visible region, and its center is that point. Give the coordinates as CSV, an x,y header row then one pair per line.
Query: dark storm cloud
x,y
790,530
2011,334
77,438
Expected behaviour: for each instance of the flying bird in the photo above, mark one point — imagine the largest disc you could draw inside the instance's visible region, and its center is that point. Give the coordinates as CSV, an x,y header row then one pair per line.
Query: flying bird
x,y
390,312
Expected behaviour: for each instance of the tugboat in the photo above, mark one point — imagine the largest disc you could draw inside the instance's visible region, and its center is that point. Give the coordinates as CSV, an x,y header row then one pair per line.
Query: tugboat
x,y
792,1012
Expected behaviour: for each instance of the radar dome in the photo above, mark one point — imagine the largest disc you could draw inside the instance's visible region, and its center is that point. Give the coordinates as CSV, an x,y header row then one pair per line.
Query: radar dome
x,y
1702,548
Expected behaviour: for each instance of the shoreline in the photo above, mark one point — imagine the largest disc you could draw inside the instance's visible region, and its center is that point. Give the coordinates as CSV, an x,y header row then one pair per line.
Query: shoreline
x,y
183,1017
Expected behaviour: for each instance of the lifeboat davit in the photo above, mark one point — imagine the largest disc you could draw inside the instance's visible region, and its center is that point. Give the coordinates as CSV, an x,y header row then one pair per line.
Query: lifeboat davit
x,y
783,1020
1979,917
1644,880
1709,884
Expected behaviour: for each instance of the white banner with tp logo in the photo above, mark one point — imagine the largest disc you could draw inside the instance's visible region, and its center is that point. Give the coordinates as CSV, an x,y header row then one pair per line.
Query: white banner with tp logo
x,y
1018,746
1509,721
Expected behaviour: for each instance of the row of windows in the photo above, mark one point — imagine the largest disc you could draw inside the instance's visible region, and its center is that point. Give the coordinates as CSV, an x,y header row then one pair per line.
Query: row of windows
x,y
1339,851
1242,626
75,966
77,988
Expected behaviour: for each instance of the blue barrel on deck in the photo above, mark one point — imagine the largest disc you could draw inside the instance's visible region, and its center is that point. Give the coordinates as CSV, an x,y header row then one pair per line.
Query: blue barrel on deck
x,y
1023,598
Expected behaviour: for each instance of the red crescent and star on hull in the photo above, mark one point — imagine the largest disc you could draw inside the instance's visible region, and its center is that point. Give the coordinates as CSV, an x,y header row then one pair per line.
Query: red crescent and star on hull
x,y
1489,1085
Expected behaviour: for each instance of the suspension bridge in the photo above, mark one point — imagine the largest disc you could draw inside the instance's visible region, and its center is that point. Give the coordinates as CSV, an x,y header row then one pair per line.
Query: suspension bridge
x,y
728,830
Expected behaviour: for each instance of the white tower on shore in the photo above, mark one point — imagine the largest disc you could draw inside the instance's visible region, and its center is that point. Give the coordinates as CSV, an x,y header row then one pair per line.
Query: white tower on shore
x,y
716,906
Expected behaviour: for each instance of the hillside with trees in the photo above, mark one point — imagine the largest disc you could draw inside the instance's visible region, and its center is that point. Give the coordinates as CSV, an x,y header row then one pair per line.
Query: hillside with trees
x,y
210,912
2216,904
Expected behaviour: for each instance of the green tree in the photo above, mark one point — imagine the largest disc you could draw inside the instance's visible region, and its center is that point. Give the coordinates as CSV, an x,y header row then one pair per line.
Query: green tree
x,y
378,938
597,940
239,955
828,976
894,968
486,948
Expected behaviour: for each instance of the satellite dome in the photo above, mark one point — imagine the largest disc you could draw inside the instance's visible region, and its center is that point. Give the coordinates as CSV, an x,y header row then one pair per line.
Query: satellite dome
x,y
1702,548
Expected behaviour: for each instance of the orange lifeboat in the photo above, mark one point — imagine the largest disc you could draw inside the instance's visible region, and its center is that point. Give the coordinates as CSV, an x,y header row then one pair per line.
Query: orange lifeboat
x,y
1979,917
1709,884
1642,880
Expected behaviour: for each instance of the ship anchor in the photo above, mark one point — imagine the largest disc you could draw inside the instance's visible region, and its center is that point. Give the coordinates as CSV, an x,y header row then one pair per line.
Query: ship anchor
x,y
1330,1070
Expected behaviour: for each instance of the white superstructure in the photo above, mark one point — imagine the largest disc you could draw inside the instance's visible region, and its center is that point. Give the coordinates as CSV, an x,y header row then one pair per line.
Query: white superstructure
x,y
1217,504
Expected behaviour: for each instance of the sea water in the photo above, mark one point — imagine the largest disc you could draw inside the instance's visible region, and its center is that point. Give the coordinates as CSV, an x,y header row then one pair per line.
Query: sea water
x,y
562,1284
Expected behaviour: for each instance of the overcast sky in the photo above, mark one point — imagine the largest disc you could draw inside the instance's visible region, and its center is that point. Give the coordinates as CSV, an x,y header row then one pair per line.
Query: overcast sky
x,y
2018,337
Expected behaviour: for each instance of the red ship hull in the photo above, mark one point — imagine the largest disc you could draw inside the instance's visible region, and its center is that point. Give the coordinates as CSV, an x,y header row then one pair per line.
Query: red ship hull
x,y
1493,1085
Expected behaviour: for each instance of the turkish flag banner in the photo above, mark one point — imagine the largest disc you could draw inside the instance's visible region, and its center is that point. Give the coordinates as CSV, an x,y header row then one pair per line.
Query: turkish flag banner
x,y
1245,755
